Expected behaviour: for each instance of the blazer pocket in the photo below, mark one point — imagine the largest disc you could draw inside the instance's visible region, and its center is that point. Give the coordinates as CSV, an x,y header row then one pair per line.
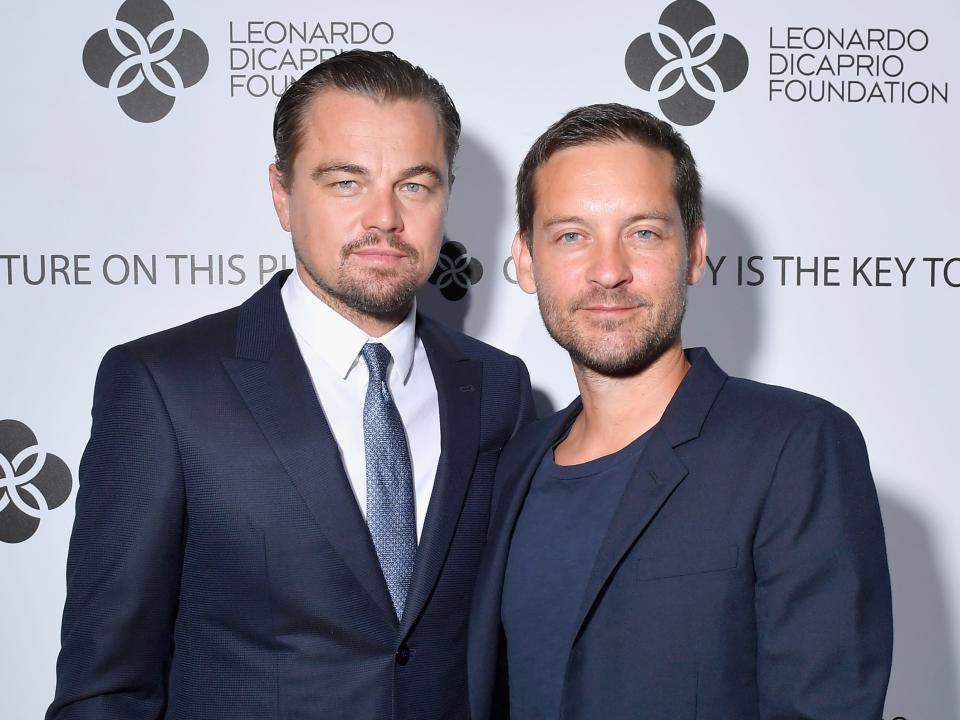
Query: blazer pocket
x,y
689,562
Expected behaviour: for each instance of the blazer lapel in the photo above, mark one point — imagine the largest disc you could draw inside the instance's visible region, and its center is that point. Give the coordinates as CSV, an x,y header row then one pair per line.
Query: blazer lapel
x,y
484,631
657,474
273,380
504,515
511,499
654,479
458,380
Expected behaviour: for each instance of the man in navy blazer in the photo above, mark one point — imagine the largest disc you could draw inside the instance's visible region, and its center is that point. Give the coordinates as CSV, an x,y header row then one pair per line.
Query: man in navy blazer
x,y
677,543
263,529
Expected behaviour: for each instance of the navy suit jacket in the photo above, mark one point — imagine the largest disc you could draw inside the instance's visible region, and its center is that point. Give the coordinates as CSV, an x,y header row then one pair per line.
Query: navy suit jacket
x,y
743,575
220,566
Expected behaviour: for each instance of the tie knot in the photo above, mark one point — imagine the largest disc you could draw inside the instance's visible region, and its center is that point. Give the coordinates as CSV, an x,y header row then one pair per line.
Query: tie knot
x,y
377,358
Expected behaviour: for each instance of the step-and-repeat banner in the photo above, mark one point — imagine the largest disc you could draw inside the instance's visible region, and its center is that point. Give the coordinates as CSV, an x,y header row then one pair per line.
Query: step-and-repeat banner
x,y
136,137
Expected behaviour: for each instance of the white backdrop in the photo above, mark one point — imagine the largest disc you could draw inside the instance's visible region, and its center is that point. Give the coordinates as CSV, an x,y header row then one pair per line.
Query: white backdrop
x,y
864,177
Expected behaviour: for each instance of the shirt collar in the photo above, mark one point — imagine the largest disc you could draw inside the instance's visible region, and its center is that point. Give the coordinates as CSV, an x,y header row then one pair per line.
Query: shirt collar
x,y
336,340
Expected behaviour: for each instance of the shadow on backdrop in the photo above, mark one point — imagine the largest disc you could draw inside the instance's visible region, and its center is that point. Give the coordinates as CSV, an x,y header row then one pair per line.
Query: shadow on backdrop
x,y
543,403
725,318
475,217
923,683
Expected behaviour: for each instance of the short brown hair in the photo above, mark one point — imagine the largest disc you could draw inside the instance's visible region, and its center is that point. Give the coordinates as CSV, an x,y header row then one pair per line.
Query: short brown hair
x,y
377,75
612,122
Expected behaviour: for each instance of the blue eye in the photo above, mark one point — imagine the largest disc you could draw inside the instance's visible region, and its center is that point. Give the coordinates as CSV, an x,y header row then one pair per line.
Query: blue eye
x,y
346,184
412,187
570,237
645,234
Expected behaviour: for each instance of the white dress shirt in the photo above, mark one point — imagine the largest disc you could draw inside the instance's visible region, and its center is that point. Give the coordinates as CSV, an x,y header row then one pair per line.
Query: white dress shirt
x,y
330,345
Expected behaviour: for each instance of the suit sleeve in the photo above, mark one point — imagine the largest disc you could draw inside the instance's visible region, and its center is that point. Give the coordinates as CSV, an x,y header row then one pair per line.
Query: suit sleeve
x,y
824,618
527,411
125,558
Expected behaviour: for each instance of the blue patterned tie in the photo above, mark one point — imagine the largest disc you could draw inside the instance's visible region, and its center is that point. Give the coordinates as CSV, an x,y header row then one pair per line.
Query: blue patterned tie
x,y
390,511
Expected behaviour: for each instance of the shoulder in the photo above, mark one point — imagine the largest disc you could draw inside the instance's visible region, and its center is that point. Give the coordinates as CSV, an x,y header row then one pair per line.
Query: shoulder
x,y
773,406
506,395
464,345
534,433
774,400
205,338
257,322
538,429
215,333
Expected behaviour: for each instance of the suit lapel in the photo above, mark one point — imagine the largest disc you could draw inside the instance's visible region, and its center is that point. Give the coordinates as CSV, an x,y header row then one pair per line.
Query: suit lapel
x,y
655,477
458,380
511,500
657,474
273,380
505,515
484,631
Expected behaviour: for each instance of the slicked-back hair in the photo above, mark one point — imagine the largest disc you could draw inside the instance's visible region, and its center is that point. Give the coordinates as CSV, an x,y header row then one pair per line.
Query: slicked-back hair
x,y
380,76
607,123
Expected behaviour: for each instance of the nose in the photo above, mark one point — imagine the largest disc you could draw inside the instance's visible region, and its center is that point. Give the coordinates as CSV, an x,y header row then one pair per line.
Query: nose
x,y
383,211
609,265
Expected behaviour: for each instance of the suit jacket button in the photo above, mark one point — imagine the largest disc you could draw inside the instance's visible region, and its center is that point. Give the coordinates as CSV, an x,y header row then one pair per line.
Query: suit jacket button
x,y
403,655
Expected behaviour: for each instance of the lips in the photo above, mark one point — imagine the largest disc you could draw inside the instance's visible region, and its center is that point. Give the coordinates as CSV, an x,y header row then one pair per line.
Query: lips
x,y
379,252
610,302
609,308
379,259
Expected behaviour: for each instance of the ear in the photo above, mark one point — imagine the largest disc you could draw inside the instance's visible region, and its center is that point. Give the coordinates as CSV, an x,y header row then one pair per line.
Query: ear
x,y
523,261
698,255
281,198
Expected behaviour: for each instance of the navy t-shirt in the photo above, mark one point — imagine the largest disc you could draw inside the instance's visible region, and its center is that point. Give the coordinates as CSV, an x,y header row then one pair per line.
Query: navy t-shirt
x,y
563,521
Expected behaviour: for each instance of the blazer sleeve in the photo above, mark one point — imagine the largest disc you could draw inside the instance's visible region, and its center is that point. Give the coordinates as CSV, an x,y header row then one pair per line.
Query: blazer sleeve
x,y
824,618
527,411
125,557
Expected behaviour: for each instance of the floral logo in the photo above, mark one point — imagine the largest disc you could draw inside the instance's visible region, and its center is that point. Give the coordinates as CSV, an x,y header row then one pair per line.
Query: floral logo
x,y
32,482
456,271
145,59
687,62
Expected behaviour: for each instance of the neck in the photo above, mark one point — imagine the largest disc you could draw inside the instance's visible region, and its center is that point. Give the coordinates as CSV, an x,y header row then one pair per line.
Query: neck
x,y
616,410
373,325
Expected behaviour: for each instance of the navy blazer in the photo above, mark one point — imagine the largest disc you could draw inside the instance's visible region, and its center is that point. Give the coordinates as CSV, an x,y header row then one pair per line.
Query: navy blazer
x,y
743,575
220,566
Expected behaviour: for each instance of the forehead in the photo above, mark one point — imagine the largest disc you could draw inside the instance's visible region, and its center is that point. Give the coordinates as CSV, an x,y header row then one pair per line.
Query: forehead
x,y
605,175
342,123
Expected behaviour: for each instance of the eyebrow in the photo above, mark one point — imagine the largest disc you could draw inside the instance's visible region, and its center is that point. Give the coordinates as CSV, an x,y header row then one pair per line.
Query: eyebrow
x,y
416,170
563,220
341,167
352,169
577,220
662,217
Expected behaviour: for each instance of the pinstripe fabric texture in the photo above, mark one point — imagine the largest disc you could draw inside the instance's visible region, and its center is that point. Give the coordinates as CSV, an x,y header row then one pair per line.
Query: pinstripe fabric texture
x,y
390,512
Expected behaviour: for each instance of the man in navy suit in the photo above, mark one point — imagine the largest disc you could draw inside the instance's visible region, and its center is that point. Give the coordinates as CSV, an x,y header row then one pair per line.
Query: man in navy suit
x,y
282,506
677,543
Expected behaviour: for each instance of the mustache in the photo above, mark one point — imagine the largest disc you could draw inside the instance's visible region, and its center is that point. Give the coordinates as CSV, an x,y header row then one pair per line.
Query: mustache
x,y
371,239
